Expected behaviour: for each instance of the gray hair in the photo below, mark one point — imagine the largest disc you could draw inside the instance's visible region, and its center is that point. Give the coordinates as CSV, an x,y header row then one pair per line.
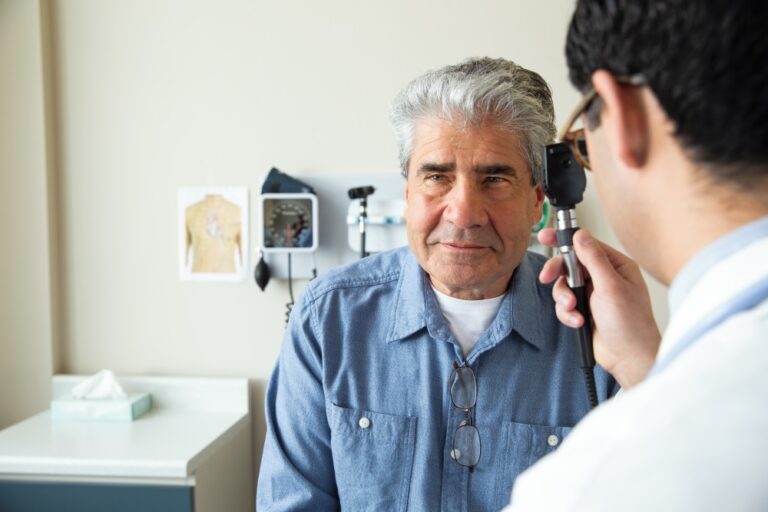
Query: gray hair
x,y
476,92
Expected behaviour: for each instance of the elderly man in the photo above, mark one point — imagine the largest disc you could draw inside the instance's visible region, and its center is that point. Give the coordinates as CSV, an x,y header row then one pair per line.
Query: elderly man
x,y
428,377
676,123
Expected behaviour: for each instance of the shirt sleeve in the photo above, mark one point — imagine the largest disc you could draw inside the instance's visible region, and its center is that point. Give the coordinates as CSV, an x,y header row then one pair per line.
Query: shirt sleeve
x,y
296,470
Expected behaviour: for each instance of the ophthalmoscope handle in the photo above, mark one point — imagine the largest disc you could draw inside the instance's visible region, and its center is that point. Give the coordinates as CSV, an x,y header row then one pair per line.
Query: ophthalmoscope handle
x,y
566,228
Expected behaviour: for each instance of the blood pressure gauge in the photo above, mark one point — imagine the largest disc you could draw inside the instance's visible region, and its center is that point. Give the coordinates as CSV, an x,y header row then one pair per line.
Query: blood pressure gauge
x,y
289,222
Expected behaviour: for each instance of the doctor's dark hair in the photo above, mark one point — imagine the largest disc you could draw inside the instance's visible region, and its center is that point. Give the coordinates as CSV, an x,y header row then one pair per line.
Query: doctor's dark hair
x,y
706,62
477,92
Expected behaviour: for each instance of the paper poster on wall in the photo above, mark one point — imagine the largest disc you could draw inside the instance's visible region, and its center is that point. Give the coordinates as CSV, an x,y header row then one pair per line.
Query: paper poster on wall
x,y
213,233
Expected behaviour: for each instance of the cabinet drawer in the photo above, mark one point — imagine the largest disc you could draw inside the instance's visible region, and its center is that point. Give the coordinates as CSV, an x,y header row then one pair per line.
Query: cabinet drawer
x,y
21,496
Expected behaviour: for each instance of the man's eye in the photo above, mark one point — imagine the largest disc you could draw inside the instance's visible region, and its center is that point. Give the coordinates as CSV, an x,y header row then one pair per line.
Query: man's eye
x,y
436,177
494,179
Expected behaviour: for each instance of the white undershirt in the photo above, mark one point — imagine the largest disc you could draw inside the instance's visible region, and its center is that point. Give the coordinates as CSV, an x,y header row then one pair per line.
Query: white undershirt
x,y
468,319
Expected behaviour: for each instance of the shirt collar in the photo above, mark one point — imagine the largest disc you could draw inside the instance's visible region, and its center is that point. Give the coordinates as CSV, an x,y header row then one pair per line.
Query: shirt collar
x,y
416,306
713,253
409,313
528,304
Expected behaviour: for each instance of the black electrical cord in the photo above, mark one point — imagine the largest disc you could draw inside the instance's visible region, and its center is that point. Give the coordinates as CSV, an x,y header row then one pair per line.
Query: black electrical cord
x,y
589,379
584,335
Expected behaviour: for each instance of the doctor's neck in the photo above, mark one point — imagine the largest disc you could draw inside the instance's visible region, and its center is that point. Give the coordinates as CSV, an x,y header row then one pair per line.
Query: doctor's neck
x,y
704,211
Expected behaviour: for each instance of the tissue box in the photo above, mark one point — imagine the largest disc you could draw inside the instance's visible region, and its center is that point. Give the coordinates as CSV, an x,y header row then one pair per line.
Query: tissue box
x,y
107,409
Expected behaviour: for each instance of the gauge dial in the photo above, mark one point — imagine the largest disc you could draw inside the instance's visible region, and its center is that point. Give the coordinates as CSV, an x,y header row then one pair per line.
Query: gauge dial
x,y
289,222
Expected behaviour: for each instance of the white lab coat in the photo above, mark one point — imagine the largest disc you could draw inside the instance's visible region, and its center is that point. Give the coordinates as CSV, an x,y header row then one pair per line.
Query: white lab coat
x,y
693,437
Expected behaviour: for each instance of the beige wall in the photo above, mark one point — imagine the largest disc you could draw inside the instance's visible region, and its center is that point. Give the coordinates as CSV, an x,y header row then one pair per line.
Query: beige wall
x,y
153,95
25,254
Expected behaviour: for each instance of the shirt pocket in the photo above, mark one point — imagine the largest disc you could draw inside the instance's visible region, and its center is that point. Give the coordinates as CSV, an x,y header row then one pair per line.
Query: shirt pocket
x,y
523,444
372,458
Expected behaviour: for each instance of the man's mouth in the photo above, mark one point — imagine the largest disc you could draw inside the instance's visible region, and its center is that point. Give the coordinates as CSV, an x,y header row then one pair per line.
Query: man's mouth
x,y
463,246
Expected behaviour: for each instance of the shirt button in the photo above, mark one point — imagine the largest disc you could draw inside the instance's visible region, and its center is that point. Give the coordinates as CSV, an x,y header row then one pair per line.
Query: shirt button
x,y
553,440
364,422
455,454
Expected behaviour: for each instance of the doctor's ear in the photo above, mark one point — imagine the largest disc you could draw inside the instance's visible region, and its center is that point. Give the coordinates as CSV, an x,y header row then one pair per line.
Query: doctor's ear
x,y
624,118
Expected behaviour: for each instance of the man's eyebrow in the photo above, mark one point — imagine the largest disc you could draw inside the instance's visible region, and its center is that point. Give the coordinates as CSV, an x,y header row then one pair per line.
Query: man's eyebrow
x,y
435,167
497,169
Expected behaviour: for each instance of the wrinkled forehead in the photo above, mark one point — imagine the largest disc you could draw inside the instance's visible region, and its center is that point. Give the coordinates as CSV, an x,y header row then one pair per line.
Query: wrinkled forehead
x,y
439,140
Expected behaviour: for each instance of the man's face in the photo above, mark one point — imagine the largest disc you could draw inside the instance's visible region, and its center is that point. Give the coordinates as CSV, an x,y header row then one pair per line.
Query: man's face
x,y
470,207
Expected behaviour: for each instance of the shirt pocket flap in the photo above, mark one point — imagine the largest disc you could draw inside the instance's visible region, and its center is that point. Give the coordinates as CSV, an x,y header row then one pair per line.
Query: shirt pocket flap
x,y
343,420
529,442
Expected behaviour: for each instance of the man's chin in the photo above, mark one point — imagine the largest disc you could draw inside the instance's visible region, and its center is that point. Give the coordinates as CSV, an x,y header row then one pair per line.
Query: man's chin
x,y
462,277
467,272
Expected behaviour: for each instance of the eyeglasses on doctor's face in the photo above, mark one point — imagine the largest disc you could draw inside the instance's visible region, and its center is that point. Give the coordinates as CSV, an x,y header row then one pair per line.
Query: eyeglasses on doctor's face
x,y
466,438
575,137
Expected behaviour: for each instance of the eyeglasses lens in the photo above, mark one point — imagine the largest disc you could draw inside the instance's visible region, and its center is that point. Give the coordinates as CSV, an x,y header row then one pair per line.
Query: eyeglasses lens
x,y
466,445
463,388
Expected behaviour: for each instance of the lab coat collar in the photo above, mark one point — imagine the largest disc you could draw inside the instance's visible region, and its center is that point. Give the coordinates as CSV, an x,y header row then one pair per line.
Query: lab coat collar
x,y
710,255
715,287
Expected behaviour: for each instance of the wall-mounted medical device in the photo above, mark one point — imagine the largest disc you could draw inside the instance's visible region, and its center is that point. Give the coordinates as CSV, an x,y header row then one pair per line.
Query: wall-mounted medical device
x,y
289,222
384,225
361,194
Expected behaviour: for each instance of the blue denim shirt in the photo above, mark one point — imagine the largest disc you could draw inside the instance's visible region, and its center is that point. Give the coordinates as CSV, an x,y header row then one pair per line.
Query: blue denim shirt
x,y
358,410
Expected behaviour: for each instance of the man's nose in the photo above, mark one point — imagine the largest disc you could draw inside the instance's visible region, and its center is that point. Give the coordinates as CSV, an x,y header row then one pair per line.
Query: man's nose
x,y
466,206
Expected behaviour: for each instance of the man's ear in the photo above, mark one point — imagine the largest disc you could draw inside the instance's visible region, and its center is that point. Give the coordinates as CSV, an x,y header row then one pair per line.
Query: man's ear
x,y
624,118
405,211
538,205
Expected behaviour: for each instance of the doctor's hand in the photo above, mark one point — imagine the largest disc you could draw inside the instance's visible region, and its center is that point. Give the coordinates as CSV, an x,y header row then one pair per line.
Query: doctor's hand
x,y
625,335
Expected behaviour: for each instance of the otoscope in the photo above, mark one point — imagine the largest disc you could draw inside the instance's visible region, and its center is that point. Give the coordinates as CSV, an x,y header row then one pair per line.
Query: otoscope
x,y
564,184
362,194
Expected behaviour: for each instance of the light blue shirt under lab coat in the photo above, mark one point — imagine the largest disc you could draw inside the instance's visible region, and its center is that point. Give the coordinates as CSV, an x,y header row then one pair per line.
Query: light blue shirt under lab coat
x,y
358,410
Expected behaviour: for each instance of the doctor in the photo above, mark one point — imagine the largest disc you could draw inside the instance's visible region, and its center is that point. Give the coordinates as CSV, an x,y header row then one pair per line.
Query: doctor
x,y
676,123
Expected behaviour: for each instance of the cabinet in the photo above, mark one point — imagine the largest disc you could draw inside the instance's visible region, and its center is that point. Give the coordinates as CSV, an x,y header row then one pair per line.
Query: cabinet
x,y
191,452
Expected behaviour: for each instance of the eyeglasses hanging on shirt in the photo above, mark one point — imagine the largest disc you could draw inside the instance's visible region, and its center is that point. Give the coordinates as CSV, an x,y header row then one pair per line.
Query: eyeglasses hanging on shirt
x,y
466,438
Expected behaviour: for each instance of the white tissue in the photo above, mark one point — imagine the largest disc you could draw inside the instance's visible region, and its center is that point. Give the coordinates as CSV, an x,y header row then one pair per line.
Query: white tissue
x,y
101,386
